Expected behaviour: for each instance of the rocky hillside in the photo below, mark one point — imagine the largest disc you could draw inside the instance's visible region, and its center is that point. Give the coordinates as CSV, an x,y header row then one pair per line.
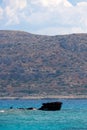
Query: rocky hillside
x,y
42,65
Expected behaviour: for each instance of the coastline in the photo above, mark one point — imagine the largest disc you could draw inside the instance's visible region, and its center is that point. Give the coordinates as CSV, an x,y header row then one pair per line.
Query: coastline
x,y
49,96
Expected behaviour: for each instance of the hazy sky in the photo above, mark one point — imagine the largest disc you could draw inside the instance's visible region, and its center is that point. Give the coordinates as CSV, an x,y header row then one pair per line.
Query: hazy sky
x,y
49,17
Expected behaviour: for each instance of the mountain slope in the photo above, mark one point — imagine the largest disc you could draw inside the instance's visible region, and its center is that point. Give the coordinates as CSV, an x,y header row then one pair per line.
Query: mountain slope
x,y
42,65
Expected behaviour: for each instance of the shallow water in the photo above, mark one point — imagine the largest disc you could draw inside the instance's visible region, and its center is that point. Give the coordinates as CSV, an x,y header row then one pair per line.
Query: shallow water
x,y
72,116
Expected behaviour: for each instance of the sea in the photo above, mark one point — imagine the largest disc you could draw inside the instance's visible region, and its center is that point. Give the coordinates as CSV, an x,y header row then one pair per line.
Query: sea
x,y
72,116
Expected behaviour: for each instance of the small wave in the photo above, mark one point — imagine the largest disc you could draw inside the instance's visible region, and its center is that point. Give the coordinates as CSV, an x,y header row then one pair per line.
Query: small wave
x,y
1,111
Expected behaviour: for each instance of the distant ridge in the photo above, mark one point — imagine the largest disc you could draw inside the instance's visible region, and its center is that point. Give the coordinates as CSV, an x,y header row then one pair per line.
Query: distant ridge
x,y
32,65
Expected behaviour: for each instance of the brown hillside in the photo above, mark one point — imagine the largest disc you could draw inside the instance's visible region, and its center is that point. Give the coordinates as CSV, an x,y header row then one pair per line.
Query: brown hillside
x,y
42,65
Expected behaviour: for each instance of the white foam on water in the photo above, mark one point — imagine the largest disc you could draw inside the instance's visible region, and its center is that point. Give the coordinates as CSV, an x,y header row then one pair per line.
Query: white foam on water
x,y
2,111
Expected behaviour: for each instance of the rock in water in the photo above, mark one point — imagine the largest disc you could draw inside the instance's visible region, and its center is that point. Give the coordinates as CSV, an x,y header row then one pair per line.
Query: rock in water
x,y
52,106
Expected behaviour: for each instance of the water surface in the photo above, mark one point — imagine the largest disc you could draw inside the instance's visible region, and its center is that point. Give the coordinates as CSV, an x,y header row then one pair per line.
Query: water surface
x,y
72,116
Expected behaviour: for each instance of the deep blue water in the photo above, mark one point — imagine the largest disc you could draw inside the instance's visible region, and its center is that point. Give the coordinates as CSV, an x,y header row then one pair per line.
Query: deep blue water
x,y
72,116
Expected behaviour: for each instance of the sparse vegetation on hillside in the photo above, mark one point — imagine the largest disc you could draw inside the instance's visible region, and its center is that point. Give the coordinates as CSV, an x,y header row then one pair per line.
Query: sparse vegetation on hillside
x,y
40,65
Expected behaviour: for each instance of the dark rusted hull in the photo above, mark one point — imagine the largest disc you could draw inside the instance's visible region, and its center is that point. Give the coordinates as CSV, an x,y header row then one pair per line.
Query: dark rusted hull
x,y
52,106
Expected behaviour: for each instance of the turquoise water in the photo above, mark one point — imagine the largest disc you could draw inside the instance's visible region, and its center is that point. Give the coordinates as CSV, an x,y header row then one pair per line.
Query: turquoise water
x,y
72,116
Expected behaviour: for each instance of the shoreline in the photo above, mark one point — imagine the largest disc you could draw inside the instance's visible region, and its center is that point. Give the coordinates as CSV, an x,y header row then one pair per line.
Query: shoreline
x,y
49,96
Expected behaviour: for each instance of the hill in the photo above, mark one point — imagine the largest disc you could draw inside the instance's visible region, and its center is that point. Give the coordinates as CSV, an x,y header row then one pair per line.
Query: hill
x,y
42,65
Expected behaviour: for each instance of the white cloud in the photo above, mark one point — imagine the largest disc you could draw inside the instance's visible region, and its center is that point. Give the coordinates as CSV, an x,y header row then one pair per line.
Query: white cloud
x,y
1,13
38,18
59,30
13,9
52,3
46,16
11,16
62,17
16,4
82,4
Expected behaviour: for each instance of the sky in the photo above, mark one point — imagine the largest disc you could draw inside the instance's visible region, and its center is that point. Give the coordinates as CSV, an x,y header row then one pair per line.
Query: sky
x,y
45,17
